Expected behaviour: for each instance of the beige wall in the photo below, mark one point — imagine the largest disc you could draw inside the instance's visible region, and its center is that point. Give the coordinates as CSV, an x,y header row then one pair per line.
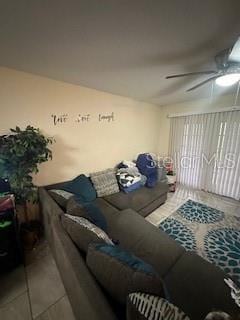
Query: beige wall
x,y
80,147
200,105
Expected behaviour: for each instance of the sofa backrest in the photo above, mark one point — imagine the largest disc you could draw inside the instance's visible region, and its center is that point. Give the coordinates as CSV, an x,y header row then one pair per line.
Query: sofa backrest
x,y
57,185
86,297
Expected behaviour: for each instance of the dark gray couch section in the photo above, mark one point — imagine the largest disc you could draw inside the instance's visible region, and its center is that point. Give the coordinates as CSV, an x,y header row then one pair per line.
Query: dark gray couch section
x,y
143,200
86,297
195,285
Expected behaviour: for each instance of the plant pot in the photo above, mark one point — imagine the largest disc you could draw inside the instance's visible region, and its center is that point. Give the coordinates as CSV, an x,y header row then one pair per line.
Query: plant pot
x,y
31,233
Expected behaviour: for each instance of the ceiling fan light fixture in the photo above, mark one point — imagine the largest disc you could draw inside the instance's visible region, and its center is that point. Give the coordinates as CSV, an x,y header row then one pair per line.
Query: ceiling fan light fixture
x,y
228,79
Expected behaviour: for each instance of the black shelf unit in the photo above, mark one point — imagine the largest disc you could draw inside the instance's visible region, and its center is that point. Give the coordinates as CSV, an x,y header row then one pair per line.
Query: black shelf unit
x,y
10,251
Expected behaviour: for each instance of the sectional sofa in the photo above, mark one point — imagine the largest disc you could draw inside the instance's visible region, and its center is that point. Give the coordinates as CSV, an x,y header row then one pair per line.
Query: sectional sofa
x,y
194,285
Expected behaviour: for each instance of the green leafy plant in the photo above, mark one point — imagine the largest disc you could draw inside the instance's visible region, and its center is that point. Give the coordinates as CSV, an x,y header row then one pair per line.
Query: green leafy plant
x,y
20,154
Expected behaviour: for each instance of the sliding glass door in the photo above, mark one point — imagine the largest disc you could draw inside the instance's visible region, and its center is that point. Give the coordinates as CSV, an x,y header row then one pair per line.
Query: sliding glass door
x,y
205,150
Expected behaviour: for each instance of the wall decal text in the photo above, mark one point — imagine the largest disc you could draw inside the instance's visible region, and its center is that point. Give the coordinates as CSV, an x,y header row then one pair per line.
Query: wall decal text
x,y
60,119
108,118
57,119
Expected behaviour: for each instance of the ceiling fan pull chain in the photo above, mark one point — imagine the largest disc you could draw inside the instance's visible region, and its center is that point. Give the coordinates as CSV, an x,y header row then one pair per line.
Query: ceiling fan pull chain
x,y
237,94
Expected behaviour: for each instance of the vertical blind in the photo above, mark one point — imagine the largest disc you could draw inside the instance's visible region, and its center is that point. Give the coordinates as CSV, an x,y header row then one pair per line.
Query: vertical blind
x,y
205,150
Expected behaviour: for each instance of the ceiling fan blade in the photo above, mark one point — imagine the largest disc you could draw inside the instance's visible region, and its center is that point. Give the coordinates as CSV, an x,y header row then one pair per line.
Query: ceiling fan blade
x,y
191,74
203,82
235,53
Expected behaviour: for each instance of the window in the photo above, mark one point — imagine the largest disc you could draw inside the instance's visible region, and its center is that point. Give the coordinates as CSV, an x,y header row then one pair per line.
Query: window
x,y
206,151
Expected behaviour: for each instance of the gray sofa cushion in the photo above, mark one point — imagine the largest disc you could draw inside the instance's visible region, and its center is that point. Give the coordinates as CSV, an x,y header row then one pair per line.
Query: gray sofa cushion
x,y
88,210
121,273
144,240
83,232
105,182
137,199
110,213
61,197
75,208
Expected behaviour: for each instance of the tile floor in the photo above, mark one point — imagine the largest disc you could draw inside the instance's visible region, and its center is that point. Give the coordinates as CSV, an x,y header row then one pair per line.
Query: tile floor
x,y
175,200
36,292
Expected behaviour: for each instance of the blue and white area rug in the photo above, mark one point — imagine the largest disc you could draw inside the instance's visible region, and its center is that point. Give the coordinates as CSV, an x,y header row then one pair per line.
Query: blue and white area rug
x,y
211,233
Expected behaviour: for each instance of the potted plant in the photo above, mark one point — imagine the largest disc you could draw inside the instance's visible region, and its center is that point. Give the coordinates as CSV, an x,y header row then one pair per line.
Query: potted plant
x,y
21,152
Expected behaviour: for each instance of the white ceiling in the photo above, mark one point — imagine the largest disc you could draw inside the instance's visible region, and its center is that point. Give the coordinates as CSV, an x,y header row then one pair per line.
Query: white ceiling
x,y
125,47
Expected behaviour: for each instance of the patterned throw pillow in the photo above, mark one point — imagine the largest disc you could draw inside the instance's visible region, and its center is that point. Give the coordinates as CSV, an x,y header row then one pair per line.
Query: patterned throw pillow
x,y
60,196
143,306
120,272
235,291
105,182
126,180
83,232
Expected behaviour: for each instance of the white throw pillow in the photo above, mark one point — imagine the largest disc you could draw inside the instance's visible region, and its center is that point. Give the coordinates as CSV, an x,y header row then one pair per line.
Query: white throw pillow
x,y
152,307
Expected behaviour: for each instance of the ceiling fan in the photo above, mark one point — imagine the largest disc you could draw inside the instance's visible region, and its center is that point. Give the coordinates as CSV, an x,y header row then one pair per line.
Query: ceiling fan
x,y
228,68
